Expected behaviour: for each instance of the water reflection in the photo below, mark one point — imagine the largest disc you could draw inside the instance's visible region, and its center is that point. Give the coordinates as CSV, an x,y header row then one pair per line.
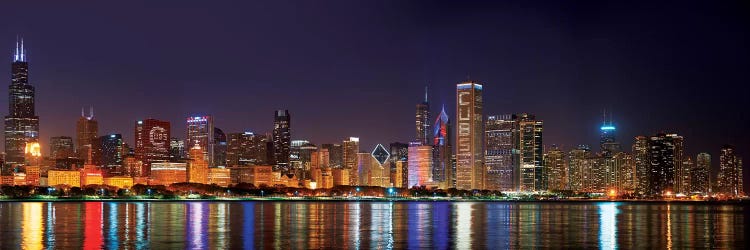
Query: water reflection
x,y
382,225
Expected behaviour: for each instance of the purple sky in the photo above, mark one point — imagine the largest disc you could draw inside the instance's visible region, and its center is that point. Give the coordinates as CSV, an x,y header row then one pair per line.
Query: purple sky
x,y
357,68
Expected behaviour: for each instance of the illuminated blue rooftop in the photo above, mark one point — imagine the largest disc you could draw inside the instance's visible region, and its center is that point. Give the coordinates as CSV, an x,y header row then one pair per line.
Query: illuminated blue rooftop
x,y
608,128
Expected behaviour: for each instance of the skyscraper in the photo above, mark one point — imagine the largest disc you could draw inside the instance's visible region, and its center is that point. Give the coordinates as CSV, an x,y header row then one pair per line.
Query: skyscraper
x,y
399,165
111,153
246,149
469,154
530,159
700,175
336,154
442,151
282,139
419,164
21,123
664,152
197,172
578,161
152,142
177,150
642,164
557,171
607,139
350,150
61,147
423,121
87,131
220,148
498,150
200,131
730,172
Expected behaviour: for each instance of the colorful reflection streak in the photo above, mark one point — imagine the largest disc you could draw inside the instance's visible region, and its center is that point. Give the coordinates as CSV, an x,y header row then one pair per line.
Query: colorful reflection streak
x,y
381,225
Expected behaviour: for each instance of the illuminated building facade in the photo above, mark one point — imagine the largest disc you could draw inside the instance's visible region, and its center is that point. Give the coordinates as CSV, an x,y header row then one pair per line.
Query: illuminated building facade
x,y
700,181
198,167
71,178
729,181
379,171
152,143
469,153
349,156
177,150
442,151
336,154
642,164
33,175
419,165
219,176
282,139
557,169
607,138
61,147
664,153
423,121
119,181
134,167
340,177
498,152
91,176
399,172
168,173
87,133
21,123
200,131
529,161
261,175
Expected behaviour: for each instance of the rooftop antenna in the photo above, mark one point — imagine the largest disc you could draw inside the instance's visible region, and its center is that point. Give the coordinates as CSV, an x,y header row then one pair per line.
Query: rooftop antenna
x,y
425,94
91,112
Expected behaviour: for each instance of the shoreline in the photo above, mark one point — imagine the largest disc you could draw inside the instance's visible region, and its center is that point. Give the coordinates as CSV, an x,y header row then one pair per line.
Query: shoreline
x,y
377,200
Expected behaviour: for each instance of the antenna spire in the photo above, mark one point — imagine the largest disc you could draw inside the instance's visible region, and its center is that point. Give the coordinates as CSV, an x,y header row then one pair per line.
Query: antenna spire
x,y
425,94
82,115
91,112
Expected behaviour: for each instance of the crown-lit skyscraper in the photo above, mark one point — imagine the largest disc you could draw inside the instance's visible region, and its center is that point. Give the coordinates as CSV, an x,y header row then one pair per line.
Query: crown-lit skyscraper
x,y
469,154
200,131
423,121
607,139
87,132
442,151
152,142
282,139
21,123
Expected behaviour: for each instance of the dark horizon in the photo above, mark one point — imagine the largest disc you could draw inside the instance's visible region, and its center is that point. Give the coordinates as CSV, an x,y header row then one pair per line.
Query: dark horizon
x,y
358,69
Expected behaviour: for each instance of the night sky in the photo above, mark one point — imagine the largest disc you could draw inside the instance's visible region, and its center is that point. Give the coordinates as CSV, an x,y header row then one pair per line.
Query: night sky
x,y
357,68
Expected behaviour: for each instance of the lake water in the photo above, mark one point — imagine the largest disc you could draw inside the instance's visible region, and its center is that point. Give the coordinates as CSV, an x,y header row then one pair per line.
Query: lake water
x,y
366,225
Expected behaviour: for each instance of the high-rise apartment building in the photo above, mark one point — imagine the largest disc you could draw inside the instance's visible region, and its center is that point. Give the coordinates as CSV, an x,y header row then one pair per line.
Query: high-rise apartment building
x,y
700,177
350,150
470,169
729,181
556,169
21,123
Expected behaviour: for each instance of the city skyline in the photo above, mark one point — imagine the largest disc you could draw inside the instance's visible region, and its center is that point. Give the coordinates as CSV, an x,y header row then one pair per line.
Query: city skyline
x,y
630,116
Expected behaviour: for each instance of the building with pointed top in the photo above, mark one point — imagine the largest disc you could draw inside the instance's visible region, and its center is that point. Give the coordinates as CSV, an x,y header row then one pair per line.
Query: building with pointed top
x,y
21,123
442,151
607,139
423,121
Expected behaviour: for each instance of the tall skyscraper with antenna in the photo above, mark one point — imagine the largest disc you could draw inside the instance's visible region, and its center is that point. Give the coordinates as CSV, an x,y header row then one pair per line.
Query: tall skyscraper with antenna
x,y
607,140
423,121
21,123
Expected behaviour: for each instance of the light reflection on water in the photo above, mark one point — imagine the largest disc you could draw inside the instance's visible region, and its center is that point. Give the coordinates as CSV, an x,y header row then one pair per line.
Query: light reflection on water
x,y
383,225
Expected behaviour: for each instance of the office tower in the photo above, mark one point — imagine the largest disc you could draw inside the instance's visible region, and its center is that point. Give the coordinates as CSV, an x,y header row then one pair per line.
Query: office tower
x,y
111,153
336,154
168,173
423,121
305,153
220,148
152,143
197,171
246,149
578,159
87,131
419,165
498,152
469,154
320,159
642,164
21,123
730,172
134,167
700,175
61,147
557,171
607,140
685,180
442,150
200,131
282,139
177,150
528,145
295,161
626,180
399,165
350,150
681,174
373,168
